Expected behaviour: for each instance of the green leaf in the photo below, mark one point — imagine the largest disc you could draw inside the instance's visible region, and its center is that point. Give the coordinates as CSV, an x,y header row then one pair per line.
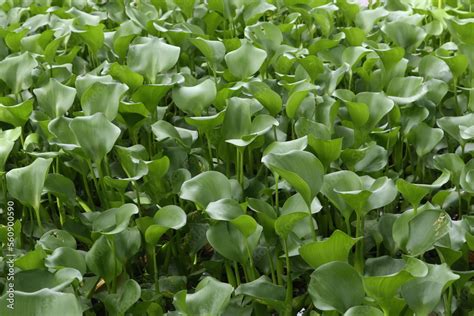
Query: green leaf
x,y
224,210
149,56
359,113
17,71
103,97
425,138
285,223
264,290
210,298
363,311
405,35
127,295
125,75
326,150
368,159
411,192
335,248
64,257
61,187
164,130
132,159
56,238
31,260
385,277
6,147
336,286
405,90
246,224
170,216
55,99
206,123
450,163
35,280
467,177
16,115
195,99
423,294
42,302
419,241
378,105
229,241
101,261
245,61
95,134
432,67
35,176
284,147
340,181
452,125
114,220
306,176
214,51
266,96
206,187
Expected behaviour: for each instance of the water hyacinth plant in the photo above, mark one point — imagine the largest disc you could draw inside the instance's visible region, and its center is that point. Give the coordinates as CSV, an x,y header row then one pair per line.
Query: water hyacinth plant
x,y
236,157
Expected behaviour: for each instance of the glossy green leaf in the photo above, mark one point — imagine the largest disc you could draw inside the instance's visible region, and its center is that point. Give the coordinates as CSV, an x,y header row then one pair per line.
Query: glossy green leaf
x,y
363,311
336,286
425,138
17,71
335,248
195,99
55,99
245,61
417,296
42,302
306,176
103,98
114,220
150,55
96,135
210,298
33,174
205,188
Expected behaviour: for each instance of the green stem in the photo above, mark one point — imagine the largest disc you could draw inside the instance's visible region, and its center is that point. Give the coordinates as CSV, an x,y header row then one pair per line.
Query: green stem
x,y
272,267
237,274
250,165
209,149
102,184
137,192
277,202
62,215
347,220
38,218
241,166
279,269
112,247
458,190
448,301
252,273
311,223
289,282
4,188
237,165
155,269
359,255
94,180
230,275
88,192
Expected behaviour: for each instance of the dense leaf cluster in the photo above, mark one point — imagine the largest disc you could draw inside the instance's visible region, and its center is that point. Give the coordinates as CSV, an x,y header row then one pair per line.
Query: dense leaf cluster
x,y
237,157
